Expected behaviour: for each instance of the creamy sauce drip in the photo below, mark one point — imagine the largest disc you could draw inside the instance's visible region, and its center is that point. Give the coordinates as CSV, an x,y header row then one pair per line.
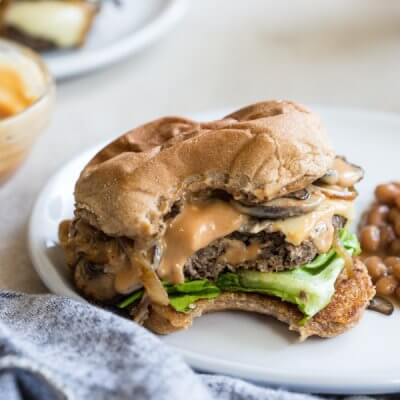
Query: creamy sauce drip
x,y
237,252
194,228
13,93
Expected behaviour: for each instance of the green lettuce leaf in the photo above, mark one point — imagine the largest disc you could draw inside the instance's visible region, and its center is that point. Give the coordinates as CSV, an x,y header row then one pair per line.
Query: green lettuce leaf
x,y
320,261
131,299
181,296
309,291
191,287
350,242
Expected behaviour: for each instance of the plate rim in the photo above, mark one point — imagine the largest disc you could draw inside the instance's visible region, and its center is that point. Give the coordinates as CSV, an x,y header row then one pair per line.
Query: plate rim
x,y
325,384
168,16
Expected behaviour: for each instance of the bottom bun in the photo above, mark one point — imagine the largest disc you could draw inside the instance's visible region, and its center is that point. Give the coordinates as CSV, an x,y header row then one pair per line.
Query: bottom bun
x,y
351,297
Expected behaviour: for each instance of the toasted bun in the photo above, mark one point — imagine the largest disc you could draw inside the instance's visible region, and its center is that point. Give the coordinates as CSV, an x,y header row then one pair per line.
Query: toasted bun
x,y
258,153
351,297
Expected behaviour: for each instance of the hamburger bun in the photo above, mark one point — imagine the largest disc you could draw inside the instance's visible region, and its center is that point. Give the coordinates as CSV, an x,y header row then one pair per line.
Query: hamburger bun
x,y
258,153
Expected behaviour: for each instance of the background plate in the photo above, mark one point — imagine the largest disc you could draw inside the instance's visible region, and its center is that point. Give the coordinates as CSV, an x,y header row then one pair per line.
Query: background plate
x,y
259,348
117,33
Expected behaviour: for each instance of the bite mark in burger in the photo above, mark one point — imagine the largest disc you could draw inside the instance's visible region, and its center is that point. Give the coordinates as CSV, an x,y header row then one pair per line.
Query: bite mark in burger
x,y
249,212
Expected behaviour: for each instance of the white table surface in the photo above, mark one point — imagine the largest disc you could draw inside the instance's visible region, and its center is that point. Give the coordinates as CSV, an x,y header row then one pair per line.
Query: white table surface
x,y
343,52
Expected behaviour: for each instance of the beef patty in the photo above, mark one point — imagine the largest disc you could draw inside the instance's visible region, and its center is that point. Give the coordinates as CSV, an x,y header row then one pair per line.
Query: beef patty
x,y
275,254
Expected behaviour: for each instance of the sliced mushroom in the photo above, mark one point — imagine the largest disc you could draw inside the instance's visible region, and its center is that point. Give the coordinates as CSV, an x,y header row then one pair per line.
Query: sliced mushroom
x,y
381,305
338,192
342,173
284,207
330,178
302,194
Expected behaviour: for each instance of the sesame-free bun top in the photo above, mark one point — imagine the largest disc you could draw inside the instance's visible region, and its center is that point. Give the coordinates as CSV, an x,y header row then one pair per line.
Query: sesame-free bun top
x,y
258,153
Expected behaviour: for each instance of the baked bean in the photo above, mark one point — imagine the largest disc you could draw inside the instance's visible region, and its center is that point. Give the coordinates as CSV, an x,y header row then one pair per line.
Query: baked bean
x,y
396,270
387,236
370,238
397,201
378,214
393,215
376,267
386,285
380,235
396,226
395,247
386,193
391,260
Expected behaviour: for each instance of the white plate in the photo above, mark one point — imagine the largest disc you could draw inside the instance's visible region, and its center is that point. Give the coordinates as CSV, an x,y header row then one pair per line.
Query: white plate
x,y
117,33
364,360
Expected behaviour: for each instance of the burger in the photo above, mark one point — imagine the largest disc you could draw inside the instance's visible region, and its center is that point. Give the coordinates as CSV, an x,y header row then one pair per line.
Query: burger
x,y
178,218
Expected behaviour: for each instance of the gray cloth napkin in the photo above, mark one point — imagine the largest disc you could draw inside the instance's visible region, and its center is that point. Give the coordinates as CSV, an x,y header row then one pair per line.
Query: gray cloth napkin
x,y
54,348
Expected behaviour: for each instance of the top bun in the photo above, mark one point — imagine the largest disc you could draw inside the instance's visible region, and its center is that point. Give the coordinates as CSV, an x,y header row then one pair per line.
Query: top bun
x,y
258,153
